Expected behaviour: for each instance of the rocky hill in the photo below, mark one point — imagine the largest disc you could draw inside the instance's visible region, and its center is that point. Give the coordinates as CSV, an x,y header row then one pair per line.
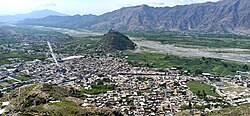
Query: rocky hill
x,y
114,40
49,100
219,17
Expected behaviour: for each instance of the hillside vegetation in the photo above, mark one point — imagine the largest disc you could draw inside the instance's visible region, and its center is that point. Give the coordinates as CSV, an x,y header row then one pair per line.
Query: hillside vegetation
x,y
114,40
35,100
195,40
242,110
194,65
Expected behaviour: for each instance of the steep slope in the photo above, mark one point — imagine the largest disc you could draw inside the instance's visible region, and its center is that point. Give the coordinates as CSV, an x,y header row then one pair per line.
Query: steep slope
x,y
34,14
49,100
219,17
114,40
223,16
138,18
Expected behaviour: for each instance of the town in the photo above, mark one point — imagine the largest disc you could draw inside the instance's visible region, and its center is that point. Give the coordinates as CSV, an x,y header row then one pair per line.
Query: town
x,y
109,81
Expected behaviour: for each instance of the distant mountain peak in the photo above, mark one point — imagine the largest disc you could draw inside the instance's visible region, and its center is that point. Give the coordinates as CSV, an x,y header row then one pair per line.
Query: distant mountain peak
x,y
31,15
47,12
144,5
225,16
43,10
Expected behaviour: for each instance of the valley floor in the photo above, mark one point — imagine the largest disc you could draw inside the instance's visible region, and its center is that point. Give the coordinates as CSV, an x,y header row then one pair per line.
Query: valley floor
x,y
194,52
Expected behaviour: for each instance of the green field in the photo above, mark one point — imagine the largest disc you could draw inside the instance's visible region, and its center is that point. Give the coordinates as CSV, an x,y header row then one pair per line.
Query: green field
x,y
202,40
7,41
7,82
23,78
3,84
98,89
197,86
194,65
5,55
78,45
11,81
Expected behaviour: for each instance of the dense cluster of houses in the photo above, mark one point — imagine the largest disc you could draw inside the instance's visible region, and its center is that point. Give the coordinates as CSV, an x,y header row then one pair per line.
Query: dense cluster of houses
x,y
138,90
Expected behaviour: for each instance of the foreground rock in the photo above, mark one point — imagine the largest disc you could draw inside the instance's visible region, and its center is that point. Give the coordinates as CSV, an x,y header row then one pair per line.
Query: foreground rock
x,y
49,100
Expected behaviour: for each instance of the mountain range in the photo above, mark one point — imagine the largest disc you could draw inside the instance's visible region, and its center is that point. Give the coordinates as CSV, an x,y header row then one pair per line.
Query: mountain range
x,y
226,16
32,15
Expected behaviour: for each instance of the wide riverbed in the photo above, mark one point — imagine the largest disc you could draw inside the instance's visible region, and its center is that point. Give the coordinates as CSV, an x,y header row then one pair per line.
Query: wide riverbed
x,y
193,52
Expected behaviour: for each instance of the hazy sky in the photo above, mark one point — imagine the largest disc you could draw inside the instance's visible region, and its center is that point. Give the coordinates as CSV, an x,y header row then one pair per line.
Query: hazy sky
x,y
72,7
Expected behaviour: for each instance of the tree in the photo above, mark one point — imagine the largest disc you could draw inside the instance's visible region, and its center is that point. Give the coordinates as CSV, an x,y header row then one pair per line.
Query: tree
x,y
190,105
199,93
204,94
203,58
245,67
198,71
214,89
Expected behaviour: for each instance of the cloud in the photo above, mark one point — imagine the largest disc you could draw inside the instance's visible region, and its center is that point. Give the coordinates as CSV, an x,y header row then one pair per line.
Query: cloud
x,y
194,1
158,3
49,4
45,5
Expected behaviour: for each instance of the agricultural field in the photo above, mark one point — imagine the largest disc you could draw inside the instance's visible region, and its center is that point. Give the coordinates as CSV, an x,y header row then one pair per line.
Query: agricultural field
x,y
99,87
4,56
198,40
194,65
78,45
23,77
7,82
199,88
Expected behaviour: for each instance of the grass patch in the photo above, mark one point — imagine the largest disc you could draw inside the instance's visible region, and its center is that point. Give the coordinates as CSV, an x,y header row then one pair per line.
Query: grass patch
x,y
194,65
242,110
202,40
139,92
3,84
98,89
195,87
4,56
7,82
63,108
11,81
23,77
64,103
79,45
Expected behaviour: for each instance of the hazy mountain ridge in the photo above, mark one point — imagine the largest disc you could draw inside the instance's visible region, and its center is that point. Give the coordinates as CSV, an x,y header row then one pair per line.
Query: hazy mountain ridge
x,y
34,14
75,21
223,16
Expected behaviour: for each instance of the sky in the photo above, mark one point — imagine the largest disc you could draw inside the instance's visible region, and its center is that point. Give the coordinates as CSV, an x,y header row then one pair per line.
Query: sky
x,y
71,7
